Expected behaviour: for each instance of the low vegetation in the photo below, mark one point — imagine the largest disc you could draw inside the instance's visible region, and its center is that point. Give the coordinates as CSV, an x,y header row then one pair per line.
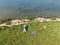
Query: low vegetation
x,y
42,36
6,20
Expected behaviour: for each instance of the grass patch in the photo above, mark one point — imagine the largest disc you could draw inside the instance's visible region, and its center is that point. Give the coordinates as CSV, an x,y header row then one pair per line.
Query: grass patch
x,y
14,35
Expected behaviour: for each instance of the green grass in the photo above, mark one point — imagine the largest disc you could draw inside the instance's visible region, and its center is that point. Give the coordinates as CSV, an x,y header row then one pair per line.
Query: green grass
x,y
43,36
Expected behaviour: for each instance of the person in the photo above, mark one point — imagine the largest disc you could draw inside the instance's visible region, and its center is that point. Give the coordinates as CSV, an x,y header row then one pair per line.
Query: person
x,y
25,28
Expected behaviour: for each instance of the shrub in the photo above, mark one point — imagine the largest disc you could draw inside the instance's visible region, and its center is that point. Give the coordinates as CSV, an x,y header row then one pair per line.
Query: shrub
x,y
6,20
8,23
53,18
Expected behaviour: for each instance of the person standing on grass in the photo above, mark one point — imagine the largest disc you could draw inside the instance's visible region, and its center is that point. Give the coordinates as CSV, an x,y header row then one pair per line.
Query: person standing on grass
x,y
25,28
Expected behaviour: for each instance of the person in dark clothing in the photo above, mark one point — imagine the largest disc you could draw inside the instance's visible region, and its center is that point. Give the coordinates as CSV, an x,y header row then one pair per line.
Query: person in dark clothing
x,y
25,28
